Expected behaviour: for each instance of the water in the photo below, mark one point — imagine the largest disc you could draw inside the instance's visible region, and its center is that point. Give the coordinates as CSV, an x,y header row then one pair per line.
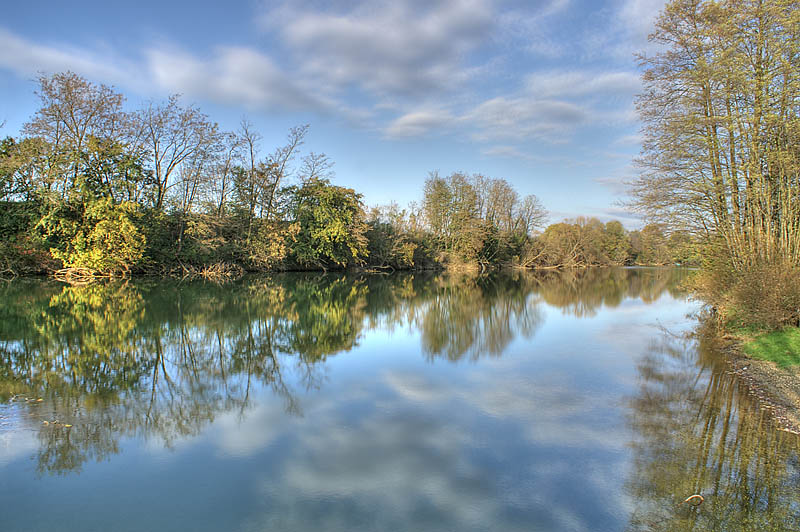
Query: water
x,y
569,401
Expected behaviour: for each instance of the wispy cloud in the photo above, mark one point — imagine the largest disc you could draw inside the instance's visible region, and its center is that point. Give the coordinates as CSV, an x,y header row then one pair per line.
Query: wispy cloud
x,y
26,58
406,68
630,140
638,17
234,75
582,83
418,123
397,48
507,152
524,117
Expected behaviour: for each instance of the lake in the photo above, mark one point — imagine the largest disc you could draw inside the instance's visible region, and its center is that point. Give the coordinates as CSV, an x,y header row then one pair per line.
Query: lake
x,y
574,401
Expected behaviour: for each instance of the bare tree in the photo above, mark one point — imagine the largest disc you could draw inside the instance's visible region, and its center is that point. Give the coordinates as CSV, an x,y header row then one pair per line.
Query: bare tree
x,y
223,168
279,162
249,139
531,214
316,166
173,134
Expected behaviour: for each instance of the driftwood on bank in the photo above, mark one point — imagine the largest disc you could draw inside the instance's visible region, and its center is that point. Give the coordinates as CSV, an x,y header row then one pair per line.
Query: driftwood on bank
x,y
77,276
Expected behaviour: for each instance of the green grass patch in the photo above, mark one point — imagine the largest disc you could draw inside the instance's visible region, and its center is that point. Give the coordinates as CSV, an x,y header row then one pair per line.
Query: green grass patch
x,y
781,347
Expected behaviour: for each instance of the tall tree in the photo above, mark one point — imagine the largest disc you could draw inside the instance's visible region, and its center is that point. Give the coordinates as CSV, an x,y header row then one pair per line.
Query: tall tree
x,y
721,108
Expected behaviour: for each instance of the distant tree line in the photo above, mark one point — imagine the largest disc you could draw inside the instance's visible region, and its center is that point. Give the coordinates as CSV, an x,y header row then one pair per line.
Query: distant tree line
x,y
92,186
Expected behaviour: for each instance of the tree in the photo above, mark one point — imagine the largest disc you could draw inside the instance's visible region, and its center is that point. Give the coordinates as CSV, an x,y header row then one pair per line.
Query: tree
x,y
616,245
245,178
721,154
452,213
316,166
278,167
72,111
650,245
436,205
173,135
224,168
109,168
331,225
531,214
388,237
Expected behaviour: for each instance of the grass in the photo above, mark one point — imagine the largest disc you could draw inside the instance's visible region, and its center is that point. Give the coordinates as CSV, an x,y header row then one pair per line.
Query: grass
x,y
781,347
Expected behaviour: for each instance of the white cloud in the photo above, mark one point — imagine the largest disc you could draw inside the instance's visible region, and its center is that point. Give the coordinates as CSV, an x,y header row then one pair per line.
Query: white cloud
x,y
638,17
418,123
233,75
26,59
626,30
635,139
16,444
509,152
525,117
583,83
245,435
397,48
407,68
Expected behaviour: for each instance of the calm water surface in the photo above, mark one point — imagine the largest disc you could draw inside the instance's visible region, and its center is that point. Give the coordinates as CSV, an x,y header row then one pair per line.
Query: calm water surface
x,y
572,402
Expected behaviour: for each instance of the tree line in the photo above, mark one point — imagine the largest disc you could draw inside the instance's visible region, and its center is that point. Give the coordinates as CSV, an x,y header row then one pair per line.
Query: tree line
x,y
92,186
721,158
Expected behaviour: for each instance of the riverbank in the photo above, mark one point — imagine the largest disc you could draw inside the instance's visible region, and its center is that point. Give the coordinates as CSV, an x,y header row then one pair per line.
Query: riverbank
x,y
776,388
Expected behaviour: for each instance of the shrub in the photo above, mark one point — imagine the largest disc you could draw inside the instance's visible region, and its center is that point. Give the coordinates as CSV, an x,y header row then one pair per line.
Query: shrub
x,y
102,238
763,296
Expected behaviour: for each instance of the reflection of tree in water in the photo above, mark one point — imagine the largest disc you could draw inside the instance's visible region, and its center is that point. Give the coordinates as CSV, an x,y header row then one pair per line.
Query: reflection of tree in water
x,y
477,316
582,292
697,432
161,360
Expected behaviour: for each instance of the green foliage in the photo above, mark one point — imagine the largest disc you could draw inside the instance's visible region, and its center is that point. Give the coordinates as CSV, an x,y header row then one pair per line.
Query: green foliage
x,y
271,243
477,219
615,244
110,169
720,154
389,244
96,234
331,226
766,295
650,246
6,168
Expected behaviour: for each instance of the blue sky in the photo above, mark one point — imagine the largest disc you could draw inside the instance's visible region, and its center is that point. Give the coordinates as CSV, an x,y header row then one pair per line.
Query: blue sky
x,y
539,92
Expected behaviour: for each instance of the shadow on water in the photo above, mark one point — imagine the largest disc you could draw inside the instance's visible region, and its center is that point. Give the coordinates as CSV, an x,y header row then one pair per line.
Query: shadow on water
x,y
697,432
161,360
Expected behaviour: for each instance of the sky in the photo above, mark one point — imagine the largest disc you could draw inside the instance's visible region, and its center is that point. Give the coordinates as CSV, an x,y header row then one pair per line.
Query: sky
x,y
537,92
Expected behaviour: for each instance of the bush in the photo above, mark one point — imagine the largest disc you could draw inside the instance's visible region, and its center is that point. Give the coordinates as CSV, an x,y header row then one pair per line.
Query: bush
x,y
767,296
102,237
764,296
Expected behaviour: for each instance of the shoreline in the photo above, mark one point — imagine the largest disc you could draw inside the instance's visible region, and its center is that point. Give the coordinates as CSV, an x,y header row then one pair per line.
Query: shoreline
x,y
230,271
775,390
